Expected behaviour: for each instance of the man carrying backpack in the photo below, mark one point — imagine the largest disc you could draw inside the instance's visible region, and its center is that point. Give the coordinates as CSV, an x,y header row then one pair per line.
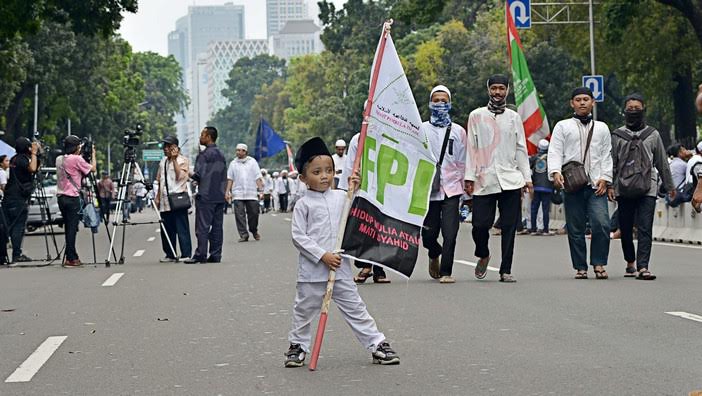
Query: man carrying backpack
x,y
639,160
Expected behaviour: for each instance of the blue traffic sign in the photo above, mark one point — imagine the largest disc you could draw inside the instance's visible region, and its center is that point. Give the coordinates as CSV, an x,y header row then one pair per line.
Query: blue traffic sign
x,y
521,13
596,85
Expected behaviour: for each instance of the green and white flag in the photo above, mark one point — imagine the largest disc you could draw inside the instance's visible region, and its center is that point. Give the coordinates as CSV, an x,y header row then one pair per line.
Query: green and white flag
x,y
529,106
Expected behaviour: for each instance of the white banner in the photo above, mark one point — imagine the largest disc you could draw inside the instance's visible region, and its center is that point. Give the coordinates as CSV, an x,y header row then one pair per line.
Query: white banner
x,y
398,166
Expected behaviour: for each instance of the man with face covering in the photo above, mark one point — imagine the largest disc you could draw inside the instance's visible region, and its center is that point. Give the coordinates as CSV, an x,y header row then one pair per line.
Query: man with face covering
x,y
638,209
447,141
497,169
589,203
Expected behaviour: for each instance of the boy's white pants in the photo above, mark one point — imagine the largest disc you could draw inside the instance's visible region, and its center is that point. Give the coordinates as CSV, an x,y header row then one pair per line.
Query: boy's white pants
x,y
308,302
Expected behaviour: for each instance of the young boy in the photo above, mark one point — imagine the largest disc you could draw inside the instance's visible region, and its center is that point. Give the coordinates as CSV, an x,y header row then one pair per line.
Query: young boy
x,y
315,226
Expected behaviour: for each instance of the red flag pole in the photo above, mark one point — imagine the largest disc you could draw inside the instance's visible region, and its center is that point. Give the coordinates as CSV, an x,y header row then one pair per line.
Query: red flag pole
x,y
349,196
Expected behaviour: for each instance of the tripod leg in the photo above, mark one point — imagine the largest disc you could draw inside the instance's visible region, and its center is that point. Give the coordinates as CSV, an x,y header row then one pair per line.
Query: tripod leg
x,y
118,210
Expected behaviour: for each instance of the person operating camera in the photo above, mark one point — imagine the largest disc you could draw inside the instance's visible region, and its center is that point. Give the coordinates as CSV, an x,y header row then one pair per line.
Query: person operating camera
x,y
70,176
18,191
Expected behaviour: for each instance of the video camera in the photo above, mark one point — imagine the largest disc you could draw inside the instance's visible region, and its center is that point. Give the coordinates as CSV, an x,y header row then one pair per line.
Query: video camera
x,y
86,150
131,137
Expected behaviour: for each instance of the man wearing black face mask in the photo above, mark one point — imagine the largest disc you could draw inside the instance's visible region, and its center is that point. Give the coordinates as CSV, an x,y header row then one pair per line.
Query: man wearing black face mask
x,y
582,140
639,161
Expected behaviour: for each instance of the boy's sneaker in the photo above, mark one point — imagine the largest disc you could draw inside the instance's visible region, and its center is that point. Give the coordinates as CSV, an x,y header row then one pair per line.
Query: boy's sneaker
x,y
295,356
385,355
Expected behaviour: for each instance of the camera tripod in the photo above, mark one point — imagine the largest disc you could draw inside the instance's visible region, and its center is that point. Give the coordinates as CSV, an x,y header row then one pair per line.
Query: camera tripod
x,y
45,211
131,173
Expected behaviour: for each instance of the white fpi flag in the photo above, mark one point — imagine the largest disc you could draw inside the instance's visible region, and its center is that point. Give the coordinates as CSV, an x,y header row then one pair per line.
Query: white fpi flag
x,y
396,174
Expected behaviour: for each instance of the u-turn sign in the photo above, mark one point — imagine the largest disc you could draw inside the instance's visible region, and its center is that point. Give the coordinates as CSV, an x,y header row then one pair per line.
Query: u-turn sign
x,y
521,13
596,85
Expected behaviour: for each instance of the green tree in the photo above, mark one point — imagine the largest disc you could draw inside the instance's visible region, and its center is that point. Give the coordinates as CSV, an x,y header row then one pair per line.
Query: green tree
x,y
23,17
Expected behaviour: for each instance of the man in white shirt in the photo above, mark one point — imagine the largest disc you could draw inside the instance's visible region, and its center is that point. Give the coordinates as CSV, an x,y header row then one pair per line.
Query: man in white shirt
x,y
282,188
569,143
339,160
245,187
497,169
267,190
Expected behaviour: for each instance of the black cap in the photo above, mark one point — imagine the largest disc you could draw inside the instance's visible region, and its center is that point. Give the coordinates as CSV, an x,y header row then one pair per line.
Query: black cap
x,y
309,150
635,96
170,139
22,145
498,79
582,91
70,144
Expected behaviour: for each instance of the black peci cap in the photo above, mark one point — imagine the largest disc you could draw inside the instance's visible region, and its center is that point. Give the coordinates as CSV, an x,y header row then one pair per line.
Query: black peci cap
x,y
308,150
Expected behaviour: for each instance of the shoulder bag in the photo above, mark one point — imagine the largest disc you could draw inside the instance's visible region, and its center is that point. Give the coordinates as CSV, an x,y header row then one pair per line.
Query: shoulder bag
x,y
574,175
436,183
176,201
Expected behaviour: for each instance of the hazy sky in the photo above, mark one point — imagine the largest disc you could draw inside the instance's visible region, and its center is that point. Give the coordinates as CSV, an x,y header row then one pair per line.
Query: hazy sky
x,y
148,29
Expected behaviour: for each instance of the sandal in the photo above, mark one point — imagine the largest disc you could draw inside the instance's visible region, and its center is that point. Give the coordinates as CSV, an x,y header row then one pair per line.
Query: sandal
x,y
380,279
362,276
645,274
601,274
630,272
481,267
581,275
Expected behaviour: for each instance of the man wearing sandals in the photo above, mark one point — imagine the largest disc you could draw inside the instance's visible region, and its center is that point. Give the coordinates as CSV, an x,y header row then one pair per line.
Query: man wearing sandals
x,y
638,207
568,144
497,169
447,141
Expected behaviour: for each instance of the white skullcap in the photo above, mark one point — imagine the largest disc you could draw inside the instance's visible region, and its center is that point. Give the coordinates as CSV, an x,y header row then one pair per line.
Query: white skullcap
x,y
263,171
276,174
439,88
242,146
340,143
543,144
283,171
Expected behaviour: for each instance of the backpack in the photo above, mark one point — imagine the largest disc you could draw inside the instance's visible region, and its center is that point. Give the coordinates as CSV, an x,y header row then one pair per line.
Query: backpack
x,y
634,166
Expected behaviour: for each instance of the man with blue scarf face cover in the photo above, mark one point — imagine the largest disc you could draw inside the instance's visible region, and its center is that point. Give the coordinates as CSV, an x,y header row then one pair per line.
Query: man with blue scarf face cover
x,y
448,144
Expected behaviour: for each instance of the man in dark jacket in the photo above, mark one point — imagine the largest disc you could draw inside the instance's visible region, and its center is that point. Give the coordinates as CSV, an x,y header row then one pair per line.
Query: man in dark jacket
x,y
210,173
638,210
18,190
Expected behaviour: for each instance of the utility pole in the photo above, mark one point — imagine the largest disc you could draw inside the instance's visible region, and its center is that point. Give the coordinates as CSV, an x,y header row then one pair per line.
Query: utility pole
x,y
36,109
592,52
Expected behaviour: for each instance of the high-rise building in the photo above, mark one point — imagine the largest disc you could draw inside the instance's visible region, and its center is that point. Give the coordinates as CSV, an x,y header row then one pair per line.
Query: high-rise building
x,y
297,37
279,12
221,57
188,43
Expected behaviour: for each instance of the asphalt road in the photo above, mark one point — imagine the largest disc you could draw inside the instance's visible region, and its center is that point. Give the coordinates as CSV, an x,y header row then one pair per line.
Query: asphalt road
x,y
213,329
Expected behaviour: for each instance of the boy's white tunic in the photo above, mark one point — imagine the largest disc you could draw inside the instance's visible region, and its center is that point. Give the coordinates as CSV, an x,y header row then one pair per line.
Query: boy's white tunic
x,y
315,225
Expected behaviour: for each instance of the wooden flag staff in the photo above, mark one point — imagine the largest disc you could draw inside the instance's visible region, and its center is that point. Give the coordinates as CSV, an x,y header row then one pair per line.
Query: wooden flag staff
x,y
349,196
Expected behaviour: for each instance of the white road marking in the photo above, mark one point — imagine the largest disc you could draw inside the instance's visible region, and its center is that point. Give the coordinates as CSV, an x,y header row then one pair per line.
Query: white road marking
x,y
677,245
113,279
472,264
274,215
288,219
31,366
158,230
151,239
139,253
686,315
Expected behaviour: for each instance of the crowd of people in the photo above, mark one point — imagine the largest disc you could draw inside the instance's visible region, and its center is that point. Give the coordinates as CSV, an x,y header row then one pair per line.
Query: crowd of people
x,y
583,166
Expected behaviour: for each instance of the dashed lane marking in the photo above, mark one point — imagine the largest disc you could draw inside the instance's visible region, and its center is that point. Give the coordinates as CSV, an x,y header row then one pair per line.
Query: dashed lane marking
x,y
686,315
36,360
114,278
151,239
288,219
472,264
139,253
